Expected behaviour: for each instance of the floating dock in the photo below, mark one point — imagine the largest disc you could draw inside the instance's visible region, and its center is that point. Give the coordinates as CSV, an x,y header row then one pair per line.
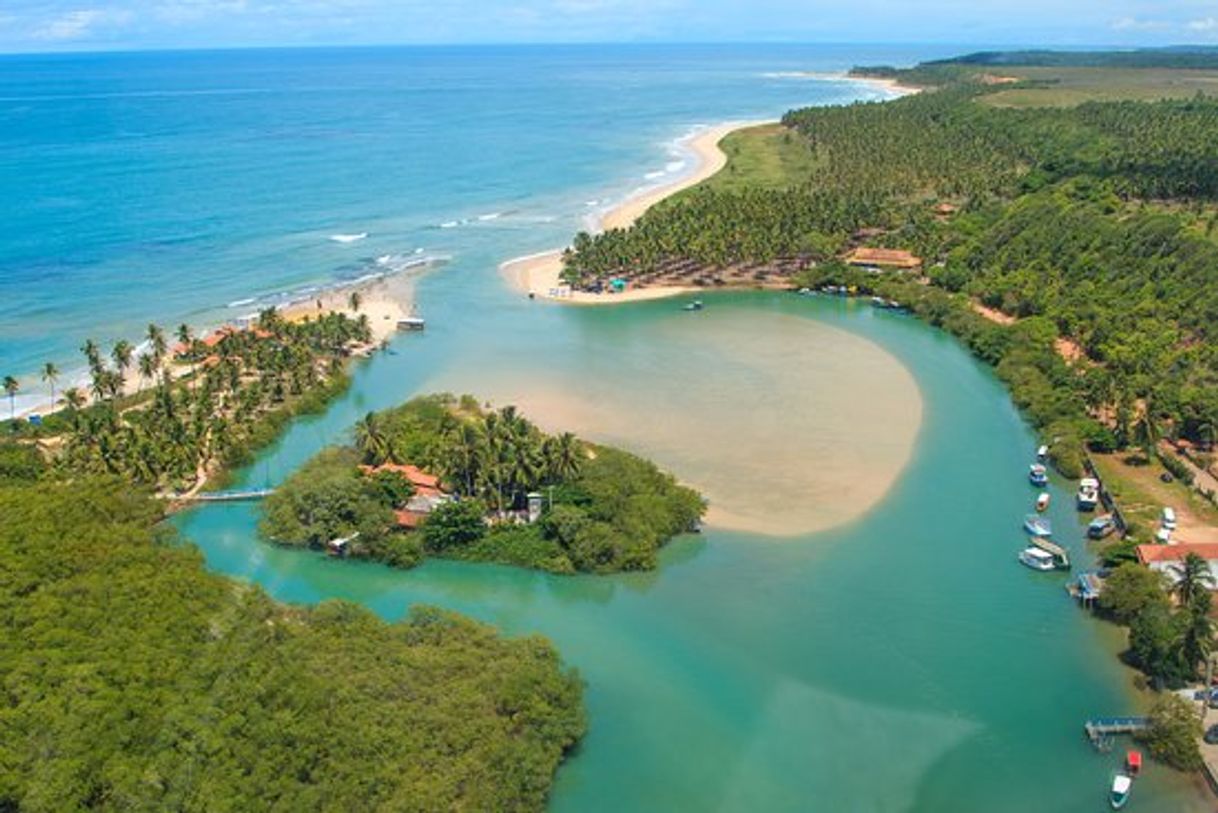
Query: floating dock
x,y
1101,730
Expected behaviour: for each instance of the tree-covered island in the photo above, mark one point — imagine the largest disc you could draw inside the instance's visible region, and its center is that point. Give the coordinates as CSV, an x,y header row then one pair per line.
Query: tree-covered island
x,y
444,476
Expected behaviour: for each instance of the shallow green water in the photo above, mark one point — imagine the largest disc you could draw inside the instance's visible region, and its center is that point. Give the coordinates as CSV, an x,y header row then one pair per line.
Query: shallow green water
x,y
902,661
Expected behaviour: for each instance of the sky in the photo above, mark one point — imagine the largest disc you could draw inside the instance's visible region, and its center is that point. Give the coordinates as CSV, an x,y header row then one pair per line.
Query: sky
x,y
58,25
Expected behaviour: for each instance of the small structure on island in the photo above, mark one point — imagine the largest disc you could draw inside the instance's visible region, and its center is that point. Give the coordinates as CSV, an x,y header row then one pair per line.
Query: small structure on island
x,y
617,285
881,258
534,499
428,493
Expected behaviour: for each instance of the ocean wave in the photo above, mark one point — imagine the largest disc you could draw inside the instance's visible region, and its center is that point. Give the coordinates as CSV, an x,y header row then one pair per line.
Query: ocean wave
x,y
240,303
674,166
450,224
654,176
348,238
491,216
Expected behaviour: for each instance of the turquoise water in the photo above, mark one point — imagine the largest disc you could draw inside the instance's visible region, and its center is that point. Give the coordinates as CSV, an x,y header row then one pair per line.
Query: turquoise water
x,y
199,186
901,661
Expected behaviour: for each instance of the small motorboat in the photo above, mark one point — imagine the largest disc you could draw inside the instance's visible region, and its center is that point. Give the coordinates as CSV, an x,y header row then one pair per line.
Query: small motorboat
x,y
1042,502
1088,493
1037,559
696,305
1037,525
1038,474
1042,453
1122,785
1133,763
1101,527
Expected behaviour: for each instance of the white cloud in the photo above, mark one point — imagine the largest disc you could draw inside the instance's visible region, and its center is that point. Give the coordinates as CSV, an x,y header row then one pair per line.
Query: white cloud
x,y
79,24
1135,24
1207,24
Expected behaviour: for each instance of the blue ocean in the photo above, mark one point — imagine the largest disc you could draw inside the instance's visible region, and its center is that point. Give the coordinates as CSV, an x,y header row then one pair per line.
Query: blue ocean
x,y
197,186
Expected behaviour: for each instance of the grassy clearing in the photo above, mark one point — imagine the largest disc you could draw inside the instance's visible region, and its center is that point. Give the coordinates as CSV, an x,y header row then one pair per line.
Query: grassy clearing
x,y
1073,86
1142,495
770,156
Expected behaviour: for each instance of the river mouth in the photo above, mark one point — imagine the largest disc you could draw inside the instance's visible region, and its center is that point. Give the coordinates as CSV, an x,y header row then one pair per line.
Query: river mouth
x,y
787,425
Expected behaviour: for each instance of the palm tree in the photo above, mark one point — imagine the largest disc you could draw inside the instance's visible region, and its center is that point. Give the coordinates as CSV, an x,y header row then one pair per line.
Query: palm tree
x,y
50,374
156,338
146,365
184,334
92,354
10,389
74,400
355,300
565,456
122,354
1193,578
1197,638
371,440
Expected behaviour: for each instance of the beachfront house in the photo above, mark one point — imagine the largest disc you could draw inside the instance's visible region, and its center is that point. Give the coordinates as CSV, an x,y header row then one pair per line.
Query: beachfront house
x,y
883,258
1166,559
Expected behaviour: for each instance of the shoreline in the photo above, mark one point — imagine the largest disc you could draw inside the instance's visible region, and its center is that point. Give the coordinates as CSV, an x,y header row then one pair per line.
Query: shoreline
x,y
538,275
385,299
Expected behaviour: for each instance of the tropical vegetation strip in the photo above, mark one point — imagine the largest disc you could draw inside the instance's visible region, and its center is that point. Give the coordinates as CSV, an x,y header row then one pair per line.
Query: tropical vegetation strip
x,y
200,407
1073,248
136,680
443,476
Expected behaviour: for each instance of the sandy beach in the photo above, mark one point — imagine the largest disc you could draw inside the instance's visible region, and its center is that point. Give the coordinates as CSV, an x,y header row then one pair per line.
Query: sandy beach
x,y
538,274
384,301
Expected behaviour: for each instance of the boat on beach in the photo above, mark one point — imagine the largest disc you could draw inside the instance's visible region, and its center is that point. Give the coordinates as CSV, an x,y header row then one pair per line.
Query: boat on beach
x,y
1038,475
1122,786
1042,502
1036,525
1037,559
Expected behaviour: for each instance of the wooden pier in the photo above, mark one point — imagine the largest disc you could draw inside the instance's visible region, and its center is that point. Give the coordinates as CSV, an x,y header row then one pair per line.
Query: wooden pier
x,y
1101,730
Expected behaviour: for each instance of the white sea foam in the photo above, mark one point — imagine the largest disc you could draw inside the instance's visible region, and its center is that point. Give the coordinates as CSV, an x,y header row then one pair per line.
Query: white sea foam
x,y
240,303
450,224
674,166
654,176
491,216
348,238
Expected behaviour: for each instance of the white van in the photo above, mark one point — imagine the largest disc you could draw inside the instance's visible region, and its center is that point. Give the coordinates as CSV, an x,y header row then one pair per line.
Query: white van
x,y
1169,518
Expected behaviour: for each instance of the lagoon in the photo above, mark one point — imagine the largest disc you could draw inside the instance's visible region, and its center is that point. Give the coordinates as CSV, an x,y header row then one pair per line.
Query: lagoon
x,y
900,660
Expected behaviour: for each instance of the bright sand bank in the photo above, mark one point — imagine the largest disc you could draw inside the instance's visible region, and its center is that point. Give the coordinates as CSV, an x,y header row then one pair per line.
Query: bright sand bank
x,y
538,274
787,425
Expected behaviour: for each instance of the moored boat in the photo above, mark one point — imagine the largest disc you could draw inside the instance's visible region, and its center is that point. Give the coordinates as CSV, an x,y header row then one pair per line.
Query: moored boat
x,y
1042,502
1101,527
1133,763
1038,474
1042,453
1122,785
696,305
1088,493
1037,525
1037,559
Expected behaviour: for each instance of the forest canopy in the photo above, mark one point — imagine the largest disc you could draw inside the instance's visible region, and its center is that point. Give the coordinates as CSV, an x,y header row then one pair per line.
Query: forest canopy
x,y
135,680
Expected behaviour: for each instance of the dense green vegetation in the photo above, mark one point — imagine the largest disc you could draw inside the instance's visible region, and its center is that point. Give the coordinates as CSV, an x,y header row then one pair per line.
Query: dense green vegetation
x,y
207,406
1170,644
135,680
1095,224
602,509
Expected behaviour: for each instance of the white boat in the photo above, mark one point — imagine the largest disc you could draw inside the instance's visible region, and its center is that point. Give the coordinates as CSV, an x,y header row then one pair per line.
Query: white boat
x,y
1122,786
1038,474
1037,525
1042,502
411,323
1042,453
1088,493
1038,559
